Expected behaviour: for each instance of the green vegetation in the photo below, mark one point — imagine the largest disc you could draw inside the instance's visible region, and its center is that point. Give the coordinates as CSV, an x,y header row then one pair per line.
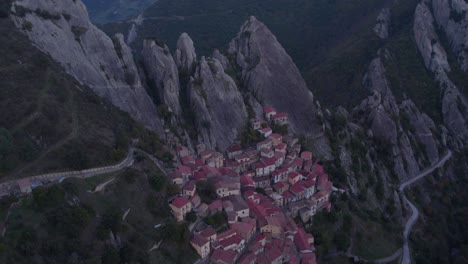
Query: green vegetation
x,y
65,223
217,221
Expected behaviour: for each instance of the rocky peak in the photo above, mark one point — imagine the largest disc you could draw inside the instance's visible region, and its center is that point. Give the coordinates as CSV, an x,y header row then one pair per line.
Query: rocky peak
x,y
383,22
217,105
185,56
271,76
162,72
63,30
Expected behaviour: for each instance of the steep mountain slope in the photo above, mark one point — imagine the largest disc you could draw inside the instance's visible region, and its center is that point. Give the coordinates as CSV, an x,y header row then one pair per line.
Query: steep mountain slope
x,y
50,121
63,30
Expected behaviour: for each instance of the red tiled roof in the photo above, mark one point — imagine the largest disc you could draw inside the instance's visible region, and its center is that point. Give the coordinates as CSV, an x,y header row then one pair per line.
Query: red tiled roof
x,y
242,228
246,180
207,232
247,258
287,194
215,205
198,175
179,202
199,240
293,175
223,256
234,148
306,155
226,234
269,161
232,240
184,169
280,115
268,109
24,183
297,187
273,253
308,258
280,185
265,130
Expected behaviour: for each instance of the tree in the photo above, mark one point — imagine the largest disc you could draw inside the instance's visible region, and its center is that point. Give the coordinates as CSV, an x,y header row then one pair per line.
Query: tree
x,y
6,142
191,217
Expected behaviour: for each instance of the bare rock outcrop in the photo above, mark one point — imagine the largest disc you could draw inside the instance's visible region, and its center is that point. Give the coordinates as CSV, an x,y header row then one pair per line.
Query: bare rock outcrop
x,y
63,30
217,105
269,73
185,56
382,25
454,104
163,74
452,17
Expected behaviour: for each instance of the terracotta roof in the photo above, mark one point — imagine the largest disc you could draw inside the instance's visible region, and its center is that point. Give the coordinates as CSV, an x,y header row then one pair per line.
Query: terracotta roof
x,y
287,194
179,202
242,227
199,240
268,109
280,185
198,175
276,136
232,240
297,187
269,161
308,258
248,258
273,253
234,148
280,115
265,130
223,256
215,205
207,232
306,155
293,175
226,234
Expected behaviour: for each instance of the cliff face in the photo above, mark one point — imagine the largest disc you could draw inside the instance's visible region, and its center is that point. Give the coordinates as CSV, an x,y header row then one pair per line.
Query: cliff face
x,y
162,72
218,106
185,56
454,104
452,17
272,77
63,30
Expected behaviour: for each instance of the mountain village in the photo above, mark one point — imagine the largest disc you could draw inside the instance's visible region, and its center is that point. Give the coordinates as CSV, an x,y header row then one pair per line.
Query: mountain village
x,y
261,190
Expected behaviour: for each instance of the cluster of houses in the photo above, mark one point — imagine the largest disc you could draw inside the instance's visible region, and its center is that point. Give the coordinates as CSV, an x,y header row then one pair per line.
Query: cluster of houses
x,y
261,190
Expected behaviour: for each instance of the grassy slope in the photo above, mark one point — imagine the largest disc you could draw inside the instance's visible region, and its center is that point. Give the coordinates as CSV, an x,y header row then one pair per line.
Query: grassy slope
x,y
52,227
52,121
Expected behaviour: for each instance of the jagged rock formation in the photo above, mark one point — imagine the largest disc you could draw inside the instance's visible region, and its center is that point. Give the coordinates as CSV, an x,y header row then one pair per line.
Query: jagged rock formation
x,y
162,72
454,104
218,106
272,77
452,17
399,139
63,30
383,23
185,56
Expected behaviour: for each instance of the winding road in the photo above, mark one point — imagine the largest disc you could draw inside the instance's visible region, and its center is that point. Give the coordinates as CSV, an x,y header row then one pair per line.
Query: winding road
x,y
8,187
406,259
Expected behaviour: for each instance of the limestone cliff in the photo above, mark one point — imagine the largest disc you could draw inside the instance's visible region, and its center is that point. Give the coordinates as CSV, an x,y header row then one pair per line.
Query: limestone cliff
x,y
63,30
162,72
382,25
269,73
185,56
218,106
454,104
452,17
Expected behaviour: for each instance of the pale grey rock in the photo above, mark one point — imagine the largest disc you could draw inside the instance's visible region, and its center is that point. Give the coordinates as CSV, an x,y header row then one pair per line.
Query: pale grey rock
x,y
381,27
454,104
269,73
217,105
185,56
89,55
452,16
162,71
222,59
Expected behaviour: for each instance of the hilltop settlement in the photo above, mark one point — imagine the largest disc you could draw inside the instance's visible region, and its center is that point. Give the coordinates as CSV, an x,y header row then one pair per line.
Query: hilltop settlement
x,y
259,191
